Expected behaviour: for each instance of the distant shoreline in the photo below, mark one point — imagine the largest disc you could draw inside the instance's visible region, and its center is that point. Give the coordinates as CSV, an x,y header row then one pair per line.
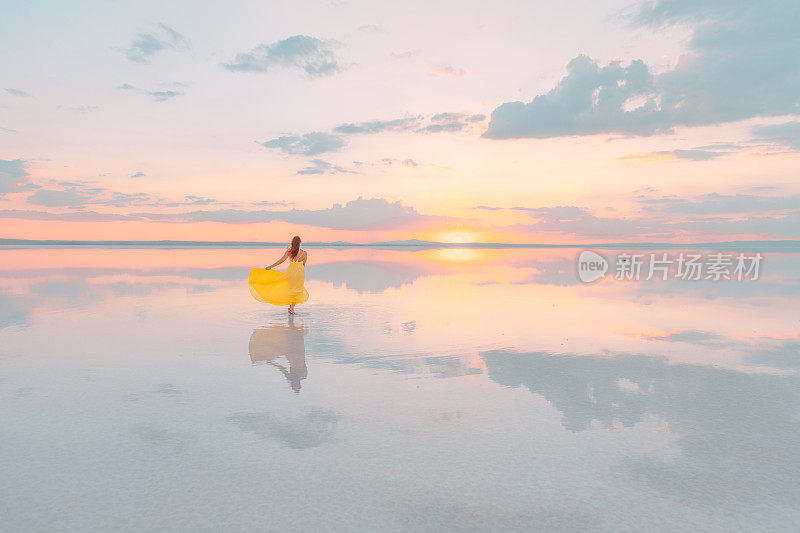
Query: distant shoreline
x,y
779,245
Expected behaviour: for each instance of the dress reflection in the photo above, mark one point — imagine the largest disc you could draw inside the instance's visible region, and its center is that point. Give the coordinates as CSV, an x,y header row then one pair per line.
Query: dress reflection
x,y
267,344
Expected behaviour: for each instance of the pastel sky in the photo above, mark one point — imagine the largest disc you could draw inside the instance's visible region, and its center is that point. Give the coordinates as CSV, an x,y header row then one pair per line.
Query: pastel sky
x,y
584,121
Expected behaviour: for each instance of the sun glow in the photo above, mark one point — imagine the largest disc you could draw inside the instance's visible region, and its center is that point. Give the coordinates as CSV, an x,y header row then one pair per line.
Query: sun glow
x,y
455,237
458,255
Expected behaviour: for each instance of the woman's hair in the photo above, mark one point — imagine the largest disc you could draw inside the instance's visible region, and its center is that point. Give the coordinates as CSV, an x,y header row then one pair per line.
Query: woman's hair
x,y
295,247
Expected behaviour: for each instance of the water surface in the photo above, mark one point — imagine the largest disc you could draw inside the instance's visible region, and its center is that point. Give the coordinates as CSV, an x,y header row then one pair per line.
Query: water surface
x,y
455,389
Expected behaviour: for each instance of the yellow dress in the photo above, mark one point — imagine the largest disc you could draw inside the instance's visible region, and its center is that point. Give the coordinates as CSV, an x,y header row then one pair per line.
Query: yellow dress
x,y
279,288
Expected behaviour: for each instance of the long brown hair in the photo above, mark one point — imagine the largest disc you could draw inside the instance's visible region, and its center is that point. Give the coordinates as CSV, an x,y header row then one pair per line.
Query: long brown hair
x,y
295,247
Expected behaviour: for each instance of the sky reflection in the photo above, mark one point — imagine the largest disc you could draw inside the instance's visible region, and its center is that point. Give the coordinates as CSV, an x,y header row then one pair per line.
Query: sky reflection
x,y
499,374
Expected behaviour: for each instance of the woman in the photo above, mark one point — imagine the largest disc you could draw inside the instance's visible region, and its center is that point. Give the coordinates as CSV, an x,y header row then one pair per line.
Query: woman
x,y
279,288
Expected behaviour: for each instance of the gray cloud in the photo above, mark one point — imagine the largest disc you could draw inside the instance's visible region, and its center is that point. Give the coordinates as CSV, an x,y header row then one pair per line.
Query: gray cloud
x,y
71,197
769,225
16,92
443,71
375,213
786,135
440,122
13,176
569,219
314,56
741,62
146,45
84,108
79,194
281,203
162,96
371,28
310,430
8,130
689,155
589,100
696,337
715,203
138,175
380,126
319,166
198,200
313,143
671,216
158,96
784,353
80,216
319,142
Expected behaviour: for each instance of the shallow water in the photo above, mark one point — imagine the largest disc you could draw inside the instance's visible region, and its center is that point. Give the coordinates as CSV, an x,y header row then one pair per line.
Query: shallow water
x,y
433,390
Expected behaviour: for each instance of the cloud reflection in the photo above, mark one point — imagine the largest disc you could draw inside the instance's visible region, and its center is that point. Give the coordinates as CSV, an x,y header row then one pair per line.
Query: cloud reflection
x,y
309,430
735,429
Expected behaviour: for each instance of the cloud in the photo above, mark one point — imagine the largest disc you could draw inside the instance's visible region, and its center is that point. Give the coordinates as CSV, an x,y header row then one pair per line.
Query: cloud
x,y
375,213
784,353
589,100
281,203
447,71
8,130
741,63
16,92
80,216
162,96
319,142
138,175
388,161
158,96
715,203
570,219
689,155
451,122
359,214
371,28
79,194
309,430
417,124
672,216
314,56
379,126
198,200
71,197
313,143
147,45
696,337
786,135
84,108
13,176
319,166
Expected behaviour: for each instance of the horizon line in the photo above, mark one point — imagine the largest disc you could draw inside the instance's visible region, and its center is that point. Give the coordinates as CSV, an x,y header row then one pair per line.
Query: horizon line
x,y
411,243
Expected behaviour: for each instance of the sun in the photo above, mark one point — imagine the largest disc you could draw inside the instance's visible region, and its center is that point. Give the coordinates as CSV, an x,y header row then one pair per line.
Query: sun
x,y
456,237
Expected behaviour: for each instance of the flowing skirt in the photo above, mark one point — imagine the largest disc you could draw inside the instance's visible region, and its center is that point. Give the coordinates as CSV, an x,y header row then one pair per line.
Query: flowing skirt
x,y
279,288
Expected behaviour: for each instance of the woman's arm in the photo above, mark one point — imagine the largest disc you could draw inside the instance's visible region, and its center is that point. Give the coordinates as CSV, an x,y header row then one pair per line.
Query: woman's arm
x,y
279,261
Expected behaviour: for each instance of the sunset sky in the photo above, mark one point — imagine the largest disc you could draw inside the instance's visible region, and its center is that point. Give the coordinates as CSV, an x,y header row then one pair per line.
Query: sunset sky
x,y
529,122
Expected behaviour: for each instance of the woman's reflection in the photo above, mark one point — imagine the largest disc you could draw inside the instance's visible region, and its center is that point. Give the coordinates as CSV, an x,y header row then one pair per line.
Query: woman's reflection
x,y
267,344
